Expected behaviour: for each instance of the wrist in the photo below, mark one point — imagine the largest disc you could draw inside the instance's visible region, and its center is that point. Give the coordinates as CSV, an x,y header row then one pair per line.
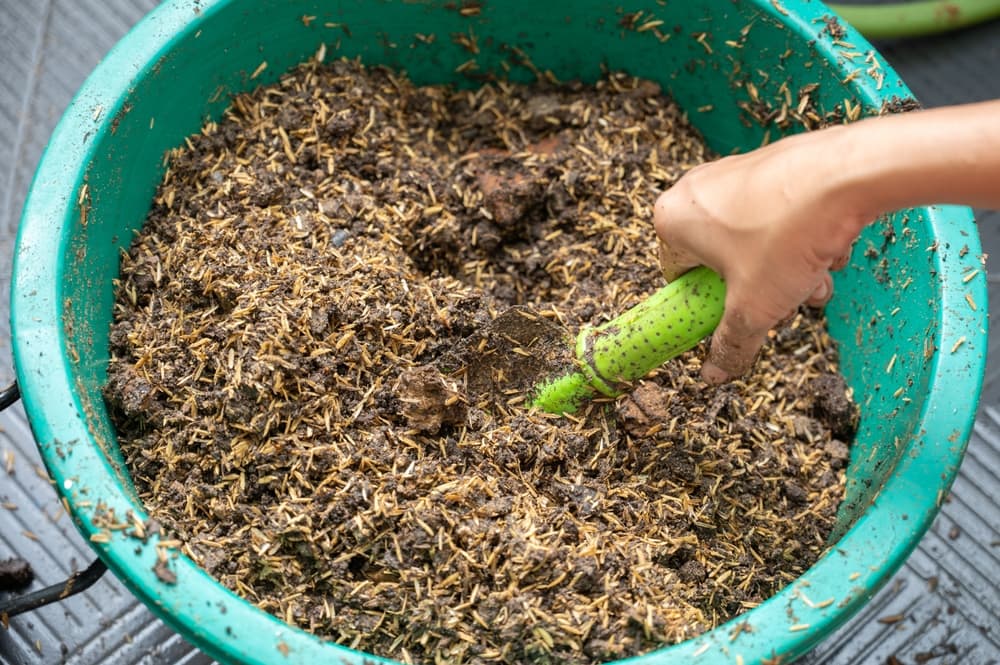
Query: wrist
x,y
831,191
848,172
945,155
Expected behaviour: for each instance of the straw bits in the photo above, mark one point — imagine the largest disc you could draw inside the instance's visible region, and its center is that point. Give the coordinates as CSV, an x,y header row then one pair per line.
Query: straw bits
x,y
305,261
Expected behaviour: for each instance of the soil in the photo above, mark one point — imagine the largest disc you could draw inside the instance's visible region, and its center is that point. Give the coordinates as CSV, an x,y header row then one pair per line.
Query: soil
x,y
15,574
293,377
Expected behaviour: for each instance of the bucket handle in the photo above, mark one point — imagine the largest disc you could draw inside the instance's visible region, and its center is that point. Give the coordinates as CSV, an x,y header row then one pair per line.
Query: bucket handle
x,y
75,583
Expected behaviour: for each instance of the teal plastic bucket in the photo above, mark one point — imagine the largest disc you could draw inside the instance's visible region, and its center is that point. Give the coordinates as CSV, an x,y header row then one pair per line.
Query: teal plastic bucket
x,y
909,314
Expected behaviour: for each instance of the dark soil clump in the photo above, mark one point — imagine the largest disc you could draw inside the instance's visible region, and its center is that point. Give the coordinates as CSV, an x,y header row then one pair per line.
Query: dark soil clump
x,y
293,332
15,574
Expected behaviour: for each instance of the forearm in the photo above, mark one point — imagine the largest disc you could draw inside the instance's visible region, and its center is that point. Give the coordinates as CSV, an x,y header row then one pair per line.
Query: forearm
x,y
947,155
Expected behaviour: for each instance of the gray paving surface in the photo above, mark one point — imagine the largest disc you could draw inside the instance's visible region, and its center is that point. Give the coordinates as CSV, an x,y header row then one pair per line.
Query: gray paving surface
x,y
947,592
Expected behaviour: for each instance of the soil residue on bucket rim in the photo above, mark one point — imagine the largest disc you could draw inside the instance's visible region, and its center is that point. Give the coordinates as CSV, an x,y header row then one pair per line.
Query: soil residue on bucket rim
x,y
309,257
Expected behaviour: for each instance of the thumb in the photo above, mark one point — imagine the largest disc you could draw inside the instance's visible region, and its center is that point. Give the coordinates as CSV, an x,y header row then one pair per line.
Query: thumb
x,y
674,262
669,220
734,348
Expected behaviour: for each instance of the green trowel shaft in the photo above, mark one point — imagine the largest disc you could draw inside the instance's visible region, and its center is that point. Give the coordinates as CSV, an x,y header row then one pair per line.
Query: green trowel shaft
x,y
610,356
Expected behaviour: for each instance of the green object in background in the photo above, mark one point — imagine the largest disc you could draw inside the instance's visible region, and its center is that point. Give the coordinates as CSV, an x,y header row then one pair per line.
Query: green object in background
x,y
665,325
917,18
912,348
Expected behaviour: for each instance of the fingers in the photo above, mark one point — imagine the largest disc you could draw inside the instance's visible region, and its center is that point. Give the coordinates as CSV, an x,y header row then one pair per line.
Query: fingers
x,y
668,219
673,262
822,293
841,261
734,349
742,332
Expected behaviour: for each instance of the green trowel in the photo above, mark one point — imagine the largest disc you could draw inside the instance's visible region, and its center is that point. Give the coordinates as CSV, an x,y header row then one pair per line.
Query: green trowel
x,y
520,351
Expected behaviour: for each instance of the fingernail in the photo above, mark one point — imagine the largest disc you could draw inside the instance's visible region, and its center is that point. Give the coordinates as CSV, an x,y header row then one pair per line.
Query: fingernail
x,y
822,291
713,374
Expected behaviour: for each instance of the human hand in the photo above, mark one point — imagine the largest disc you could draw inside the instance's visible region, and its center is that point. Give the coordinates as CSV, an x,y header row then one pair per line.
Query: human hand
x,y
773,224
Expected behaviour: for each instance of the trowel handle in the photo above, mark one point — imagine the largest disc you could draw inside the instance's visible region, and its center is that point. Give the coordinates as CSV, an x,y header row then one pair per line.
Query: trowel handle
x,y
663,326
612,355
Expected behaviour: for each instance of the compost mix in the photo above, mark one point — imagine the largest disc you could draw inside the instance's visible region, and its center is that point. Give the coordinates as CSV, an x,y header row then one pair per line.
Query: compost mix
x,y
278,388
